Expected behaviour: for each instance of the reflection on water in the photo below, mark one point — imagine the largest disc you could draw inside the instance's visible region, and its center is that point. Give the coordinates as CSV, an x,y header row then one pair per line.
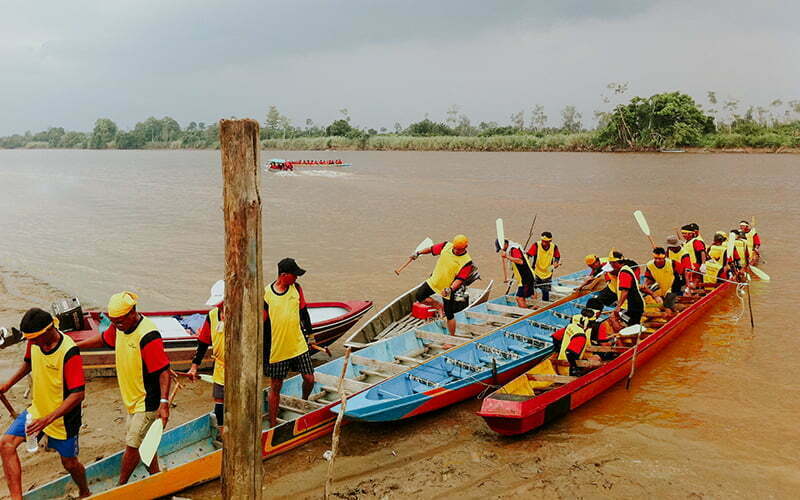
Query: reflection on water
x,y
92,223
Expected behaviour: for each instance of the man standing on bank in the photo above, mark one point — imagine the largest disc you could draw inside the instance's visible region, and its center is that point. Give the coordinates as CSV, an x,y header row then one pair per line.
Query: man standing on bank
x,y
143,374
452,270
545,257
286,325
54,363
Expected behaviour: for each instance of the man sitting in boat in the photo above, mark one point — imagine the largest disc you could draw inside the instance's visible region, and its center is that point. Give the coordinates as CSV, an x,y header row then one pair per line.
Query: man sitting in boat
x,y
600,332
753,241
693,255
545,257
596,265
523,273
286,325
717,265
662,278
570,342
212,333
54,363
452,271
629,296
741,262
674,251
143,374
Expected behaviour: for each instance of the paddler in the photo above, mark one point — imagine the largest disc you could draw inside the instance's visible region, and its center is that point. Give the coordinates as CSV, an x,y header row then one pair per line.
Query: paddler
x,y
212,333
674,251
629,296
286,325
544,256
570,342
452,271
595,264
753,241
662,278
741,253
143,374
523,273
56,369
693,255
717,264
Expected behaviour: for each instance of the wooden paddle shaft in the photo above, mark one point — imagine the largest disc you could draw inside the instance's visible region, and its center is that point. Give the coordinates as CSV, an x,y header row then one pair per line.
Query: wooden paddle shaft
x,y
398,271
8,406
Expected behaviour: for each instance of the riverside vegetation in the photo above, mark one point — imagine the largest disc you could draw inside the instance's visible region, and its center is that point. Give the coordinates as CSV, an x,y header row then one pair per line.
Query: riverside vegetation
x,y
662,121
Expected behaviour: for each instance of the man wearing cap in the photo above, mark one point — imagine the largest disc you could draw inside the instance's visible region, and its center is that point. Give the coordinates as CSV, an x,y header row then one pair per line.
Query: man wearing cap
x,y
452,270
662,277
628,294
513,252
143,374
753,241
56,369
212,333
286,325
544,257
693,254
595,264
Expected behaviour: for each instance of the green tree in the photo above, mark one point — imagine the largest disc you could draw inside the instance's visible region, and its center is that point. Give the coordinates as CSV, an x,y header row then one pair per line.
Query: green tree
x,y
428,128
273,122
104,132
518,120
339,128
170,130
571,119
662,120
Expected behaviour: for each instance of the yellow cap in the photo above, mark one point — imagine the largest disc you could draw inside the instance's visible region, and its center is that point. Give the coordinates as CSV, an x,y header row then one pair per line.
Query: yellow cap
x,y
590,259
460,241
121,304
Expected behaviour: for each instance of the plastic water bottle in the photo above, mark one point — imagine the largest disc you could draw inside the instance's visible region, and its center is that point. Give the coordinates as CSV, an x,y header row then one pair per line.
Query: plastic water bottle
x,y
30,439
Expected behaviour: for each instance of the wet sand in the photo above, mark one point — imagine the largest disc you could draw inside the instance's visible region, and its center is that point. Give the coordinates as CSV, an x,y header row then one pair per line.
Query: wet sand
x,y
713,415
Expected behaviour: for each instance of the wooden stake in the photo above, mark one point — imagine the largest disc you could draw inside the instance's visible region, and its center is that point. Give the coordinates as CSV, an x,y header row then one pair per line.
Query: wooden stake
x,y
244,291
337,426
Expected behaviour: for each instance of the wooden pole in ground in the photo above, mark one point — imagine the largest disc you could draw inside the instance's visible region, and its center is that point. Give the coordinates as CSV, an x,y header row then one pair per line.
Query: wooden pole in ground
x,y
244,291
338,425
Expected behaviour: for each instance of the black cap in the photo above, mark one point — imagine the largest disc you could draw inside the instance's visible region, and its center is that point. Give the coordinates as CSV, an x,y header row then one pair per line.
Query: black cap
x,y
34,320
288,265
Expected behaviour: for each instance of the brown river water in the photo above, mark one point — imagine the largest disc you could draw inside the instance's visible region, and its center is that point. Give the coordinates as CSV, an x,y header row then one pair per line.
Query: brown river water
x,y
713,415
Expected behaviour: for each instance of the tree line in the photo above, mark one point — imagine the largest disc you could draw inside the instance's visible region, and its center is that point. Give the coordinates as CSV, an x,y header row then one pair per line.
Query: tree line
x,y
660,121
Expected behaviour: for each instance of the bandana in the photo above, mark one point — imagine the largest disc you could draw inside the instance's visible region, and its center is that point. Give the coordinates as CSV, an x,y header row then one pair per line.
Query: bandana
x,y
121,304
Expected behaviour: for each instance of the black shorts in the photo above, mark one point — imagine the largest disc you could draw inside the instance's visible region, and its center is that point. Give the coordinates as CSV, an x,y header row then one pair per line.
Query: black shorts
x,y
631,316
606,296
423,292
525,290
451,307
669,300
281,369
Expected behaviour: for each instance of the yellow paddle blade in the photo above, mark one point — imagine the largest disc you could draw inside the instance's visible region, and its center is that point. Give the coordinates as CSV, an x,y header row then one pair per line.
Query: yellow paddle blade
x,y
643,225
761,274
147,450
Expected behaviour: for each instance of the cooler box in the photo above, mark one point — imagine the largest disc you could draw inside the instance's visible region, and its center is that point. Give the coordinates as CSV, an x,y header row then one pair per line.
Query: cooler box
x,y
421,311
69,313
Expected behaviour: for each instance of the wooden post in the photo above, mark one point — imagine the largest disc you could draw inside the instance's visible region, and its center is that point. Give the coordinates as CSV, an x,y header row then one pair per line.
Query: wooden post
x,y
244,292
337,427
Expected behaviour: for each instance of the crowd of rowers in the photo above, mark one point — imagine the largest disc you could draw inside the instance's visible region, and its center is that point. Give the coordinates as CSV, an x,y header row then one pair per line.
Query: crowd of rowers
x,y
143,372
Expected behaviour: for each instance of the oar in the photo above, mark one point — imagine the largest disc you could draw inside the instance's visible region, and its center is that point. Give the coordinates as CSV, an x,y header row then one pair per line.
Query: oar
x,y
202,376
149,446
761,274
426,243
8,406
644,226
501,240
635,352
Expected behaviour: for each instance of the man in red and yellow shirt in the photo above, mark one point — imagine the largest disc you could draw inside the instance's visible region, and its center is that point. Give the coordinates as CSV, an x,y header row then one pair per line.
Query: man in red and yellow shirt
x,y
54,363
212,334
143,374
545,257
453,269
693,254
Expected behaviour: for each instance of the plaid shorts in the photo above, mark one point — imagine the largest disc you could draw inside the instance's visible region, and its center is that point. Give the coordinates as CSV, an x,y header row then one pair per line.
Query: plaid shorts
x,y
301,364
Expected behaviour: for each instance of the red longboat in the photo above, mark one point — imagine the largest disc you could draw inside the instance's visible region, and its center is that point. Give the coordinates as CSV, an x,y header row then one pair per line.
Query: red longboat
x,y
517,407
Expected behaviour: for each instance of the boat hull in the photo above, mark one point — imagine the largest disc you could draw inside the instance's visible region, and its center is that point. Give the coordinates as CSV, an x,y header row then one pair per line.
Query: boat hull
x,y
511,415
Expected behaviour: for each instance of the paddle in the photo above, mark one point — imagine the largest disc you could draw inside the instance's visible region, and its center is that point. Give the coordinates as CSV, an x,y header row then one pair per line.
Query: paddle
x,y
761,274
629,331
644,226
149,446
501,240
426,243
8,406
202,376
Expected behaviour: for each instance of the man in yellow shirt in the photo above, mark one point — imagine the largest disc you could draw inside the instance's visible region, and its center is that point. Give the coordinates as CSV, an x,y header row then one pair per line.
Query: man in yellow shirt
x,y
286,325
544,257
143,374
54,363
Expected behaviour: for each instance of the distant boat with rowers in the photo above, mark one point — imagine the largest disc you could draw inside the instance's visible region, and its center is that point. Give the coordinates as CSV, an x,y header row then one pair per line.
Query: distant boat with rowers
x,y
281,165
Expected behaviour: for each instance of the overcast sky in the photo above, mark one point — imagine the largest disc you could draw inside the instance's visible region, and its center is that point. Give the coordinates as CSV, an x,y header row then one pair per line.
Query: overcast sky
x,y
66,63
